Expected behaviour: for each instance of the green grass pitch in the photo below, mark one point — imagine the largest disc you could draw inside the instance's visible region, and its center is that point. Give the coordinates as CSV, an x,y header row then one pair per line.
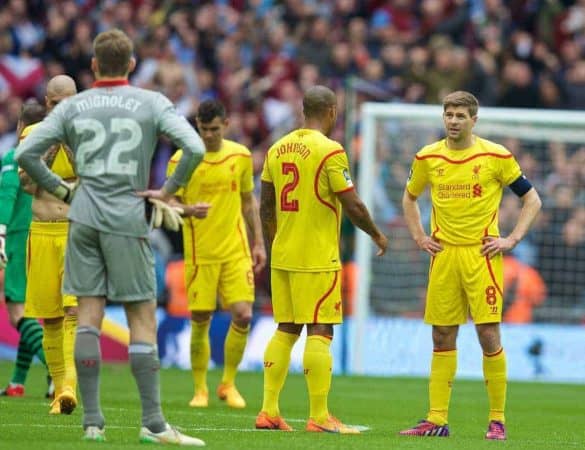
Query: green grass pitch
x,y
540,416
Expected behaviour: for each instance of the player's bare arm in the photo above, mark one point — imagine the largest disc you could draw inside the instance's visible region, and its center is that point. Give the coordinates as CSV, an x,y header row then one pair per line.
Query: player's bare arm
x,y
531,205
252,218
413,221
357,212
198,210
268,211
26,182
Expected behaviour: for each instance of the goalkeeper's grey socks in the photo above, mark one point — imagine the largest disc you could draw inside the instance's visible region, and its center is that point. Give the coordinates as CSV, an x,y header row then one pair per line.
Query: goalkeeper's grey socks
x,y
146,370
87,362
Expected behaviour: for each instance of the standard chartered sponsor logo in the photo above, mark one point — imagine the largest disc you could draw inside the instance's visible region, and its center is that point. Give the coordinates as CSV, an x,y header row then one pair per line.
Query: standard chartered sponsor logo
x,y
447,191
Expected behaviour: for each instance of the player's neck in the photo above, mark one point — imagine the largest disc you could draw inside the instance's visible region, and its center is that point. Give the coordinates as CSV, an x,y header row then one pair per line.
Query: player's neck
x,y
101,81
460,145
314,125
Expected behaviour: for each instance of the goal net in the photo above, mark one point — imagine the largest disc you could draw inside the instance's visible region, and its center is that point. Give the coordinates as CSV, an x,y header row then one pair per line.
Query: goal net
x,y
544,275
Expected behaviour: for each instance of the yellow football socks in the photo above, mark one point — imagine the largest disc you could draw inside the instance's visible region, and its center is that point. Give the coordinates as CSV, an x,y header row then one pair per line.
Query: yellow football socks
x,y
53,348
276,362
443,368
200,353
235,343
494,373
318,362
69,332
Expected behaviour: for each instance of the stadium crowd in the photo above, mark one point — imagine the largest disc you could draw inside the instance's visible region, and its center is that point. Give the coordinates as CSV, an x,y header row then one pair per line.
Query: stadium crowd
x,y
258,56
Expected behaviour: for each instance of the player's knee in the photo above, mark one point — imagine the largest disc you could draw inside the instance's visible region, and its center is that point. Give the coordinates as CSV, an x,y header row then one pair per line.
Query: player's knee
x,y
444,338
242,318
71,311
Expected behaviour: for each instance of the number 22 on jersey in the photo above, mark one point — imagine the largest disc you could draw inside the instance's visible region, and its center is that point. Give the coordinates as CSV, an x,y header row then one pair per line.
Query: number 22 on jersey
x,y
286,203
88,161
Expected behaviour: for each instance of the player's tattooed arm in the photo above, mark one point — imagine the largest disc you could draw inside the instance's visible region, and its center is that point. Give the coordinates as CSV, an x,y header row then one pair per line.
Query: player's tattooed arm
x,y
268,211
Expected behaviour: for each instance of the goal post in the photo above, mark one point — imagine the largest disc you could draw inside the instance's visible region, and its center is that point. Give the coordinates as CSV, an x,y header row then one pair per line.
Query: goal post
x,y
391,134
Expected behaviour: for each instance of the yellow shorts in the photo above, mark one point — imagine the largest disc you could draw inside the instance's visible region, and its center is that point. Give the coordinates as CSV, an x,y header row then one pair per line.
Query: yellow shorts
x,y
463,283
45,265
306,297
232,280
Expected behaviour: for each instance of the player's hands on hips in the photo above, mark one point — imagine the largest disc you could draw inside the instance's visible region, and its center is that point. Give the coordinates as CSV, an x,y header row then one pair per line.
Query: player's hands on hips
x,y
381,242
66,190
3,257
429,245
491,245
258,257
198,210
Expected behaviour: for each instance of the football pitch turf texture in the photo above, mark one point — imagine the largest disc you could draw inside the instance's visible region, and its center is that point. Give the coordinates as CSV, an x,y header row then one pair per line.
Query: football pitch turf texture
x,y
539,416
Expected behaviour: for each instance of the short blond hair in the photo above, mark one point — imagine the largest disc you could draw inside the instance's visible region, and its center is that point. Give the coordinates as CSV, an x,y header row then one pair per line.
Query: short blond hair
x,y
113,50
462,98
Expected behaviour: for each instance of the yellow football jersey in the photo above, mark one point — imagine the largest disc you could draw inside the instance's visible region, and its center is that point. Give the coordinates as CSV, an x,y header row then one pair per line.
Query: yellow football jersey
x,y
219,180
58,159
466,188
307,170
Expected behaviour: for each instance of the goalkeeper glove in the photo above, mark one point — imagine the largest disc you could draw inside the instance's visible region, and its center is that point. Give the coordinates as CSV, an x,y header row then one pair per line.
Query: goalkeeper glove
x,y
3,257
65,191
166,215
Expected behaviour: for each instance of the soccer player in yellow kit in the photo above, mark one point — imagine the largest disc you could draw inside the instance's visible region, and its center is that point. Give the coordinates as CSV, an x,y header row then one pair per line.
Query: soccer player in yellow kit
x,y
45,265
467,175
220,204
305,183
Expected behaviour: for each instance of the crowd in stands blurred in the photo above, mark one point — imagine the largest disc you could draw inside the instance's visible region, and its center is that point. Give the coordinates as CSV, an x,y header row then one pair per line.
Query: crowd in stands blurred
x,y
258,56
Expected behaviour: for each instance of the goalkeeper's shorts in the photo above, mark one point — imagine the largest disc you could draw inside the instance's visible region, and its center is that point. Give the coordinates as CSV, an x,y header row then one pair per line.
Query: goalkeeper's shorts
x,y
463,283
233,280
15,271
45,262
306,297
100,264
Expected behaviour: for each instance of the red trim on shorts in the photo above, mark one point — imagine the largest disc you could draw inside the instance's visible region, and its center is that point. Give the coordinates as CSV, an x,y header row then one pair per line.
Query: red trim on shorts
x,y
322,299
110,83
491,355
489,265
193,256
316,183
452,161
221,161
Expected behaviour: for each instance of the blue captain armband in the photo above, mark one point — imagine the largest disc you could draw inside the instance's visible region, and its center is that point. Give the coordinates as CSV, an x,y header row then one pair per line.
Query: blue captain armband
x,y
521,186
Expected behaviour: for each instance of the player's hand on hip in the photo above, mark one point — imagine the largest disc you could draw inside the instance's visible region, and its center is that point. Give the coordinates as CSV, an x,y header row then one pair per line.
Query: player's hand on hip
x,y
381,242
258,257
491,245
159,194
198,210
3,257
66,190
429,245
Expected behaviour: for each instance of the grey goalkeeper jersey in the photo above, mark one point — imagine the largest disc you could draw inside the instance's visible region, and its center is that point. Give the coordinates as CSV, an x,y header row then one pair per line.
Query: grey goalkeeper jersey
x,y
113,131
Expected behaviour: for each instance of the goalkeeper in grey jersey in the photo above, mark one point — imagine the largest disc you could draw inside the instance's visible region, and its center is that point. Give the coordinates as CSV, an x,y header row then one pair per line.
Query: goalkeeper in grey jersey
x,y
113,130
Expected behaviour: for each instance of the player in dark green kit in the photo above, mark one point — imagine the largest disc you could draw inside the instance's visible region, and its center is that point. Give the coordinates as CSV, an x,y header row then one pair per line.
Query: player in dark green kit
x,y
15,217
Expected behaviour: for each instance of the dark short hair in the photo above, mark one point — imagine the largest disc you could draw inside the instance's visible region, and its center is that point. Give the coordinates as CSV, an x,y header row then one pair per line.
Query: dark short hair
x,y
209,110
317,100
462,98
31,112
113,51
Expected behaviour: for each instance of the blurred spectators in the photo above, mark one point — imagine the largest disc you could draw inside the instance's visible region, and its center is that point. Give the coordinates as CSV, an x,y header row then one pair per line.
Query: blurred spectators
x,y
258,56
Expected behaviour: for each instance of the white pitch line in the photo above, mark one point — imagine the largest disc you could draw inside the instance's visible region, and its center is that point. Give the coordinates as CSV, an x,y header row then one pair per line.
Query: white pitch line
x,y
123,427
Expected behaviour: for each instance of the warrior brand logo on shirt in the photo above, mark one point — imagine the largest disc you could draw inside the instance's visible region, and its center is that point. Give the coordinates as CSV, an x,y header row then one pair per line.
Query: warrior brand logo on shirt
x,y
409,175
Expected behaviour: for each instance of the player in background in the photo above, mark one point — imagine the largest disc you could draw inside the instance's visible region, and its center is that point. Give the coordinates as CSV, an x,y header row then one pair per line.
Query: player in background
x,y
305,184
467,175
113,129
220,201
46,261
15,217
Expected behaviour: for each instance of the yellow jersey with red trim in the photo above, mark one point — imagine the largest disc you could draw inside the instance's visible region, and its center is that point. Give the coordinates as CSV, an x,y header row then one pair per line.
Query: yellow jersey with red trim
x,y
219,179
58,158
466,188
308,170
